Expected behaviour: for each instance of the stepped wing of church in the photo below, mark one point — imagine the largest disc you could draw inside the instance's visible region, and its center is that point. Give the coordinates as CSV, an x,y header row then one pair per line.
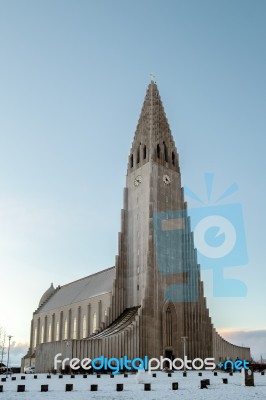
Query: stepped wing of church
x,y
154,295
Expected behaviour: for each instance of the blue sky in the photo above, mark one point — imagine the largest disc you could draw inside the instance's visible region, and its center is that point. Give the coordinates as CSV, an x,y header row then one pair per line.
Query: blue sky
x,y
73,76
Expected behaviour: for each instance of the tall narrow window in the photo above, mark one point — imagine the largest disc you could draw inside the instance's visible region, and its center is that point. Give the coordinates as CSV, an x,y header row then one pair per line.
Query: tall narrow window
x,y
173,158
75,328
165,152
57,331
50,332
158,151
35,337
84,327
66,330
42,334
94,323
131,161
144,153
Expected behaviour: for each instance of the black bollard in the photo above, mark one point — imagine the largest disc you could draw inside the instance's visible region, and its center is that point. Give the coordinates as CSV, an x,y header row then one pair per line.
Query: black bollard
x,y
225,380
147,386
3,379
111,376
175,386
184,374
35,377
262,373
21,388
23,378
231,373
48,376
13,378
94,388
200,373
215,373
60,376
125,375
203,384
44,388
85,376
98,375
169,374
1,388
154,375
119,387
72,376
69,387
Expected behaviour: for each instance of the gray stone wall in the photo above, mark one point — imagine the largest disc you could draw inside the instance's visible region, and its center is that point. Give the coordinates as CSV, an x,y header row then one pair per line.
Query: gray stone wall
x,y
51,326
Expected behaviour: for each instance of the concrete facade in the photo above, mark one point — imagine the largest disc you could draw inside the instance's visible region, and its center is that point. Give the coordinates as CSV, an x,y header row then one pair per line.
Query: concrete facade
x,y
154,295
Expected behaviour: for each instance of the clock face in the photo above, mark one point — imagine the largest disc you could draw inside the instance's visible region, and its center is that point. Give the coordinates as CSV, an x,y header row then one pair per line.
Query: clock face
x,y
137,180
166,179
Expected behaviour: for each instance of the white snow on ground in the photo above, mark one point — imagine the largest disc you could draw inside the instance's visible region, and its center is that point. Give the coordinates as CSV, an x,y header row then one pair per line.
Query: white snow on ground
x,y
161,387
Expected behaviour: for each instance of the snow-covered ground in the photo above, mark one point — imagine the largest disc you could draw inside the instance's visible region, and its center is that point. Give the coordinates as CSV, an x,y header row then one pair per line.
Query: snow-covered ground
x,y
161,387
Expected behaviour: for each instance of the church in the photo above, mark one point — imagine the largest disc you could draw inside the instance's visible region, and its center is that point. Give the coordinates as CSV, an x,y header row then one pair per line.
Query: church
x,y
153,296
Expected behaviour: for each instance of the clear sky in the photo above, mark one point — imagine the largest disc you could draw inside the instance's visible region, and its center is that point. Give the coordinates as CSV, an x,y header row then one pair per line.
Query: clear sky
x,y
73,76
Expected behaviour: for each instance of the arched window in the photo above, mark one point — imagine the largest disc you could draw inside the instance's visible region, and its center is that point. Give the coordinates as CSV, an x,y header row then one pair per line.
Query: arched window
x,y
35,337
42,334
84,326
66,330
50,332
57,332
94,323
165,152
75,328
144,153
173,158
131,161
158,151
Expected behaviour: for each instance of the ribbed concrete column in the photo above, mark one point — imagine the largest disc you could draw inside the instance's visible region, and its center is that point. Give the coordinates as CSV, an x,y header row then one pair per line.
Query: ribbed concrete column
x,y
61,321
69,324
38,330
88,319
45,330
79,323
53,328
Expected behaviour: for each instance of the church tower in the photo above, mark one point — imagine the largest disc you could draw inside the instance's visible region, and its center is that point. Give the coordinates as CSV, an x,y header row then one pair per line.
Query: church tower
x,y
157,269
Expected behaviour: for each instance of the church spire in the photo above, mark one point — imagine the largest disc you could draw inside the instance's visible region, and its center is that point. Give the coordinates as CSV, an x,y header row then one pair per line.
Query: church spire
x,y
153,140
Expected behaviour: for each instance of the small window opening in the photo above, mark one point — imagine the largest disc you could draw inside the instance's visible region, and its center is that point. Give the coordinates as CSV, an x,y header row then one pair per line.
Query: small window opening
x,y
165,152
158,151
144,153
173,158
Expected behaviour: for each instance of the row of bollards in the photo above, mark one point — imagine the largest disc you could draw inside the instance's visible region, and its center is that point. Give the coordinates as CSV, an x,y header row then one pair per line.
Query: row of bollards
x,y
93,388
60,376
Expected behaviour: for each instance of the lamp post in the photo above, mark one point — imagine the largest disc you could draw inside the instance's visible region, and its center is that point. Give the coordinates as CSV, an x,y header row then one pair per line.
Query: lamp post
x,y
3,348
9,338
184,338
